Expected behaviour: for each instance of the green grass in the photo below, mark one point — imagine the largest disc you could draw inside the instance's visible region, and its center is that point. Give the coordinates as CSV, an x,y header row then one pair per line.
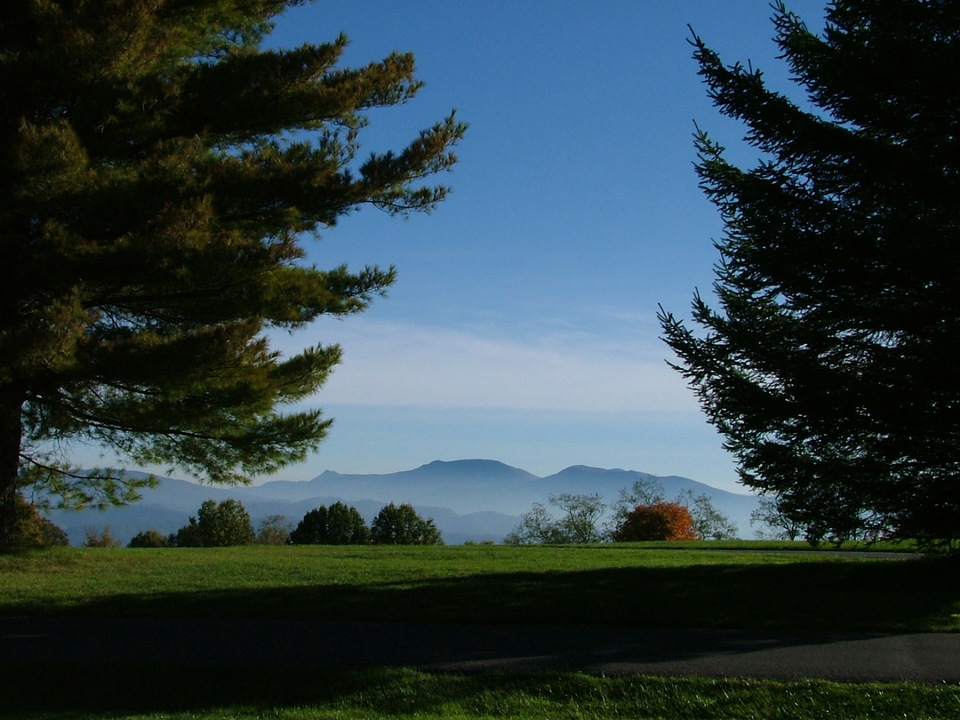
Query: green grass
x,y
615,585
700,585
208,694
886,546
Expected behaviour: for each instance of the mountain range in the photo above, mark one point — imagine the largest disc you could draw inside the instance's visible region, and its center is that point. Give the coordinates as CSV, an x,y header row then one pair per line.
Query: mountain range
x,y
469,500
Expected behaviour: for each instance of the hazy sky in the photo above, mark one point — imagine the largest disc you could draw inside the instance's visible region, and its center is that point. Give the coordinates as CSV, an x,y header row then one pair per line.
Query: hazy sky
x,y
522,327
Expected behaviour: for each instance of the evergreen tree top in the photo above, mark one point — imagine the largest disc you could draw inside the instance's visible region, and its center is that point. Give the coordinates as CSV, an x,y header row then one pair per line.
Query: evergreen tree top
x,y
161,172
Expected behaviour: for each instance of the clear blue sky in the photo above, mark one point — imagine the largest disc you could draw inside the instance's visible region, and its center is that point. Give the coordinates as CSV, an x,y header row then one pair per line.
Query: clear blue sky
x,y
522,327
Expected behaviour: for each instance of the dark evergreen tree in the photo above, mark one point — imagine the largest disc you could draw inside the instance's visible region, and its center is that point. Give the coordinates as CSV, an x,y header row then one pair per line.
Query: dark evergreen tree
x,y
336,525
217,524
402,525
831,366
158,170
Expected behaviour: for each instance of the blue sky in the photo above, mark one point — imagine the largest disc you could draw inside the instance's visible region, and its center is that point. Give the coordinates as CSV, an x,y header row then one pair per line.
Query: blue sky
x,y
522,326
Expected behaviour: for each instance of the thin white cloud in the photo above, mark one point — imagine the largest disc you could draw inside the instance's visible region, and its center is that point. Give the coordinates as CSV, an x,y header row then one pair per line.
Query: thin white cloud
x,y
403,364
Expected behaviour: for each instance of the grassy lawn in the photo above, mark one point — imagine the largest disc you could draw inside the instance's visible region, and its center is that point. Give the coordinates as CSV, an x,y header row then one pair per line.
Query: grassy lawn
x,y
624,586
169,694
614,585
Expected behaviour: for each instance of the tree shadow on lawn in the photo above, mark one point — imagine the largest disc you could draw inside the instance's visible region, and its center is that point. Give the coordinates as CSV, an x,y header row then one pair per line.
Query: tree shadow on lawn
x,y
56,690
887,596
275,646
66,690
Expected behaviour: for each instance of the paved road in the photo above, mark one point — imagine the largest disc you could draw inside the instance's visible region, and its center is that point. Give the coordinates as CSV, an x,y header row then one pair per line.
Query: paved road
x,y
839,656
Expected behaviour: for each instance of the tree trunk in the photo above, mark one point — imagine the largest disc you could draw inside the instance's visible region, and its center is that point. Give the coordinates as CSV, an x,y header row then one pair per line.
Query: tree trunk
x,y
11,430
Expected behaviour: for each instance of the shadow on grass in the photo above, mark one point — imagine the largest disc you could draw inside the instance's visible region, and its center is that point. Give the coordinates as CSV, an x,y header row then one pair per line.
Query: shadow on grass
x,y
67,690
920,595
237,692
247,647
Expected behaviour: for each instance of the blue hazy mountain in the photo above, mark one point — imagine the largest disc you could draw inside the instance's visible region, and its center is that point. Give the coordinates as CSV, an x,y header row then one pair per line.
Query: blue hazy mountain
x,y
468,499
462,486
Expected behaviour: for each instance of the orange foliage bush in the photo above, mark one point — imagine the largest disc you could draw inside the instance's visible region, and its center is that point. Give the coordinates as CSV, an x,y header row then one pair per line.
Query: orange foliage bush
x,y
659,521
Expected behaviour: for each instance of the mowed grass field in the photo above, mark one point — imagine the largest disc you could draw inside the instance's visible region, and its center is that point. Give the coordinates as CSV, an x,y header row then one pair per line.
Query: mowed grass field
x,y
705,585
619,585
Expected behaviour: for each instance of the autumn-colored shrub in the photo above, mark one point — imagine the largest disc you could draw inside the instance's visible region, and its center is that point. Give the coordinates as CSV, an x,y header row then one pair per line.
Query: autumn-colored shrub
x,y
659,521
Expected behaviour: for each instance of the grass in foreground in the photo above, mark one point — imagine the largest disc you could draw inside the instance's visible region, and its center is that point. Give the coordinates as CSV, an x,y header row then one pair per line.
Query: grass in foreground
x,y
124,693
629,586
615,585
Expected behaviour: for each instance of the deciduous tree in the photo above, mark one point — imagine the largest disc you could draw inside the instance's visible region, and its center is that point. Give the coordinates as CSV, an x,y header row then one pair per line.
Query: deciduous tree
x,y
273,530
708,522
101,538
537,526
577,523
159,171
773,524
831,365
659,521
34,530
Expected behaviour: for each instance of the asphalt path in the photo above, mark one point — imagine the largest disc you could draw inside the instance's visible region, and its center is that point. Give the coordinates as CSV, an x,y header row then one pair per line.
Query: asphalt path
x,y
853,657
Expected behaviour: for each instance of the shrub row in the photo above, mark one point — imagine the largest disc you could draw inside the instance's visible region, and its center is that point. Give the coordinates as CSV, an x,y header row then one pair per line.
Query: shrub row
x,y
227,523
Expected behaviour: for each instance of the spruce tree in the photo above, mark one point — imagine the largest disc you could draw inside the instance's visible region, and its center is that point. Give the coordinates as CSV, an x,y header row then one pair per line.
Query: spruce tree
x,y
831,364
160,170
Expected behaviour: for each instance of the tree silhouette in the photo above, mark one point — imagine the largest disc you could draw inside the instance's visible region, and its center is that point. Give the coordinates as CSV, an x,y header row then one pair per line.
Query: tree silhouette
x,y
831,365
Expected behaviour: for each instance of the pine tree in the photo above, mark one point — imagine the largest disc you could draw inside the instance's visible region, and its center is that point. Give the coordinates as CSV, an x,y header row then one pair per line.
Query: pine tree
x,y
831,368
159,170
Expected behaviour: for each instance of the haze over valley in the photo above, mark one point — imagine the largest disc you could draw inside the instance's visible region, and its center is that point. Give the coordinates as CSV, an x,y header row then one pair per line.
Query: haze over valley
x,y
470,500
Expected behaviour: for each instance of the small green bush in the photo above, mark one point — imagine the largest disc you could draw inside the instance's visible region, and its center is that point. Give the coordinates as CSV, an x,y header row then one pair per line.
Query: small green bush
x,y
274,530
100,538
149,539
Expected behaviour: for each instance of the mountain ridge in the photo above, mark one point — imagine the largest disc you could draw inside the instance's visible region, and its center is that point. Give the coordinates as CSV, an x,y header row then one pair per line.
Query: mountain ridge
x,y
475,499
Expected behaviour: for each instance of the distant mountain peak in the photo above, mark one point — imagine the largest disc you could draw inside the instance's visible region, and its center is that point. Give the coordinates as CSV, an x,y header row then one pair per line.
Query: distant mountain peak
x,y
469,499
590,470
474,462
469,468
